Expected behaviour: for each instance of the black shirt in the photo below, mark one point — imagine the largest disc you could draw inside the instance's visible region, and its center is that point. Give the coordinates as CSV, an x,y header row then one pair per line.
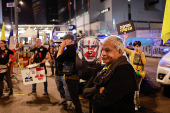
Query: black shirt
x,y
58,66
39,54
68,55
4,56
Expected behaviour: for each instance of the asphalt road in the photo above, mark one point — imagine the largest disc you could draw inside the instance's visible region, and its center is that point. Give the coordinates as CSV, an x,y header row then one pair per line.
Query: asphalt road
x,y
151,100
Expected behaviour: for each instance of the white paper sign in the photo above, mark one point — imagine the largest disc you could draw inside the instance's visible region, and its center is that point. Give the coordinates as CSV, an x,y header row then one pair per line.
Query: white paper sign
x,y
10,4
34,75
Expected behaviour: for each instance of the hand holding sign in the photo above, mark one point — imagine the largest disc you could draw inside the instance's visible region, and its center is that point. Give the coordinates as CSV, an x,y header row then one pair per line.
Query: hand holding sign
x,y
125,35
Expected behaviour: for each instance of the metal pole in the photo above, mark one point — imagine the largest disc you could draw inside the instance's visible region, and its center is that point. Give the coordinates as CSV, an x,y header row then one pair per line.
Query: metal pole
x,y
83,17
11,16
70,14
83,21
16,18
75,18
1,18
89,24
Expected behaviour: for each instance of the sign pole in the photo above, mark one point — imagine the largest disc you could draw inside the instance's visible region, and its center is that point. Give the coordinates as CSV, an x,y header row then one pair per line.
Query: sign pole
x,y
16,19
11,15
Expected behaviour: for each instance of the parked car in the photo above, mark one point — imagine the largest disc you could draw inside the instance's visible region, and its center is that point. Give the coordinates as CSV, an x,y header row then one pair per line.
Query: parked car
x,y
163,73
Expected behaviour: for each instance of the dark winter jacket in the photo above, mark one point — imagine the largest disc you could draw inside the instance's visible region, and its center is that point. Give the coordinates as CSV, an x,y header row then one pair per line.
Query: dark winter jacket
x,y
118,94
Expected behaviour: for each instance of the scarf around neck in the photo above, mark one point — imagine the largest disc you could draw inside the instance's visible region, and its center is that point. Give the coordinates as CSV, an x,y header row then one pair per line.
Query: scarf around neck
x,y
105,74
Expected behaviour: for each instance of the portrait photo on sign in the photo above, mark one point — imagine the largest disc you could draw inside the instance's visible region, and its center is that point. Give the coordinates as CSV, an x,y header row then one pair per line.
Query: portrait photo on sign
x,y
89,49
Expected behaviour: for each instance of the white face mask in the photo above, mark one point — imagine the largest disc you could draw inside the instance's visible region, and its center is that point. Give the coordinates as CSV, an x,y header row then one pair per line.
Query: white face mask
x,y
89,49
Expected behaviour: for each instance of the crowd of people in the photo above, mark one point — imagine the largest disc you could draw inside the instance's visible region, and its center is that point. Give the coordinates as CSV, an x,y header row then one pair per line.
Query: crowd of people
x,y
115,86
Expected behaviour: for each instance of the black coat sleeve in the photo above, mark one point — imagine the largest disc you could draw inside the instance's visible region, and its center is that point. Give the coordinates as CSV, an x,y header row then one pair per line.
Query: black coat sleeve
x,y
90,90
121,84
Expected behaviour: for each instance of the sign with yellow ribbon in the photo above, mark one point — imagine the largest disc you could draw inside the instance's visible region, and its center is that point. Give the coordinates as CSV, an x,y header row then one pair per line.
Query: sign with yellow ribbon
x,y
127,27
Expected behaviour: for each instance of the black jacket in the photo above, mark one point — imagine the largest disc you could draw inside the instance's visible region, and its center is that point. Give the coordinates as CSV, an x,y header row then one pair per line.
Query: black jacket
x,y
118,95
69,55
58,66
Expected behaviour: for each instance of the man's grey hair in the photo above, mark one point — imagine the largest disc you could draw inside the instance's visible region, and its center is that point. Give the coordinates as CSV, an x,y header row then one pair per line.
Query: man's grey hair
x,y
118,44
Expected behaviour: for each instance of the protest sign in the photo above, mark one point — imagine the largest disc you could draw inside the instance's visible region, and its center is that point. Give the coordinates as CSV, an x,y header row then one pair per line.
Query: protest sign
x,y
33,75
127,27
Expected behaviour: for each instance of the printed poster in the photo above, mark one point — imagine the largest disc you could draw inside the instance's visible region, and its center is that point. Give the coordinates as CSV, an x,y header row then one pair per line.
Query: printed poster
x,y
34,75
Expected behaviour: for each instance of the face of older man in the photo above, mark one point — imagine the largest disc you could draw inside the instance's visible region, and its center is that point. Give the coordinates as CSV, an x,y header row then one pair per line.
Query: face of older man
x,y
109,53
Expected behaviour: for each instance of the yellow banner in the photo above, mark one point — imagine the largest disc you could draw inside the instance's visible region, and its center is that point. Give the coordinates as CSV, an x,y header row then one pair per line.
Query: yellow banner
x,y
166,23
21,63
3,32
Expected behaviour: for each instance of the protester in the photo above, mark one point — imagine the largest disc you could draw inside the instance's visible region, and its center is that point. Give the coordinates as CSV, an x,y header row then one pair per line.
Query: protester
x,y
61,83
129,47
51,59
112,88
21,47
75,44
137,60
5,61
52,44
39,56
72,80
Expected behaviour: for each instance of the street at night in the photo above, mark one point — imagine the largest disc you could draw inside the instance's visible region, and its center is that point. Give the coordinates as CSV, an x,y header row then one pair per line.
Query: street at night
x,y
151,99
84,56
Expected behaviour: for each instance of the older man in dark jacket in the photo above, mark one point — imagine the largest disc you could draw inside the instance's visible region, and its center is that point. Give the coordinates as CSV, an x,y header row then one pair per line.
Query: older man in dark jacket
x,y
112,89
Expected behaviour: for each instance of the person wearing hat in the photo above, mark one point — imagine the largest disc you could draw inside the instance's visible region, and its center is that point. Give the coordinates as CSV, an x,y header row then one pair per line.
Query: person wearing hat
x,y
72,80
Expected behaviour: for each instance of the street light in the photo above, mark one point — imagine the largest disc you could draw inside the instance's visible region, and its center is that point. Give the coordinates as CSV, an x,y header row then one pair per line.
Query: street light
x,y
21,2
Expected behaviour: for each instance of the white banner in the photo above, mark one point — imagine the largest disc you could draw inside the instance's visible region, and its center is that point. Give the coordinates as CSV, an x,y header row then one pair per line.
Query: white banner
x,y
10,4
34,75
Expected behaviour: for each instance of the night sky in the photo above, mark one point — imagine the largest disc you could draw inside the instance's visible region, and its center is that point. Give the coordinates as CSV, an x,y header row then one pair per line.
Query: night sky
x,y
26,14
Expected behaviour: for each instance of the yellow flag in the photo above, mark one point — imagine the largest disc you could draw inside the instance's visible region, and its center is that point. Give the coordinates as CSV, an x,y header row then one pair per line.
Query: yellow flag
x,y
3,32
166,23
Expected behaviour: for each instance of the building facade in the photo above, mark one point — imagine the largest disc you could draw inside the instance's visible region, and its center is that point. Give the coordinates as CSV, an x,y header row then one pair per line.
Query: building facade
x,y
103,15
45,11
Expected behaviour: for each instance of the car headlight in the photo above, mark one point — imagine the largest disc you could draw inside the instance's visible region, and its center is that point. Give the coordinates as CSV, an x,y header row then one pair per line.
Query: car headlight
x,y
164,63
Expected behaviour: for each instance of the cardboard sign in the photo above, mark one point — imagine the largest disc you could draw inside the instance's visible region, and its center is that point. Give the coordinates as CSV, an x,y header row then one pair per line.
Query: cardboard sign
x,y
127,27
34,75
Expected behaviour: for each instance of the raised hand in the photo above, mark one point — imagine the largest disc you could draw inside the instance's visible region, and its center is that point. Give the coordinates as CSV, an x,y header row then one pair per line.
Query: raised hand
x,y
125,35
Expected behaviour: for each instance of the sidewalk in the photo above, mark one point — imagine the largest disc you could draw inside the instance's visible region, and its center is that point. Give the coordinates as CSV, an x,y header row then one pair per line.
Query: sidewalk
x,y
20,102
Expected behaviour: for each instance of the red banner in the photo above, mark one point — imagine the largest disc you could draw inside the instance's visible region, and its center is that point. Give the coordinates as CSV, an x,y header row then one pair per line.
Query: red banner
x,y
68,4
88,3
